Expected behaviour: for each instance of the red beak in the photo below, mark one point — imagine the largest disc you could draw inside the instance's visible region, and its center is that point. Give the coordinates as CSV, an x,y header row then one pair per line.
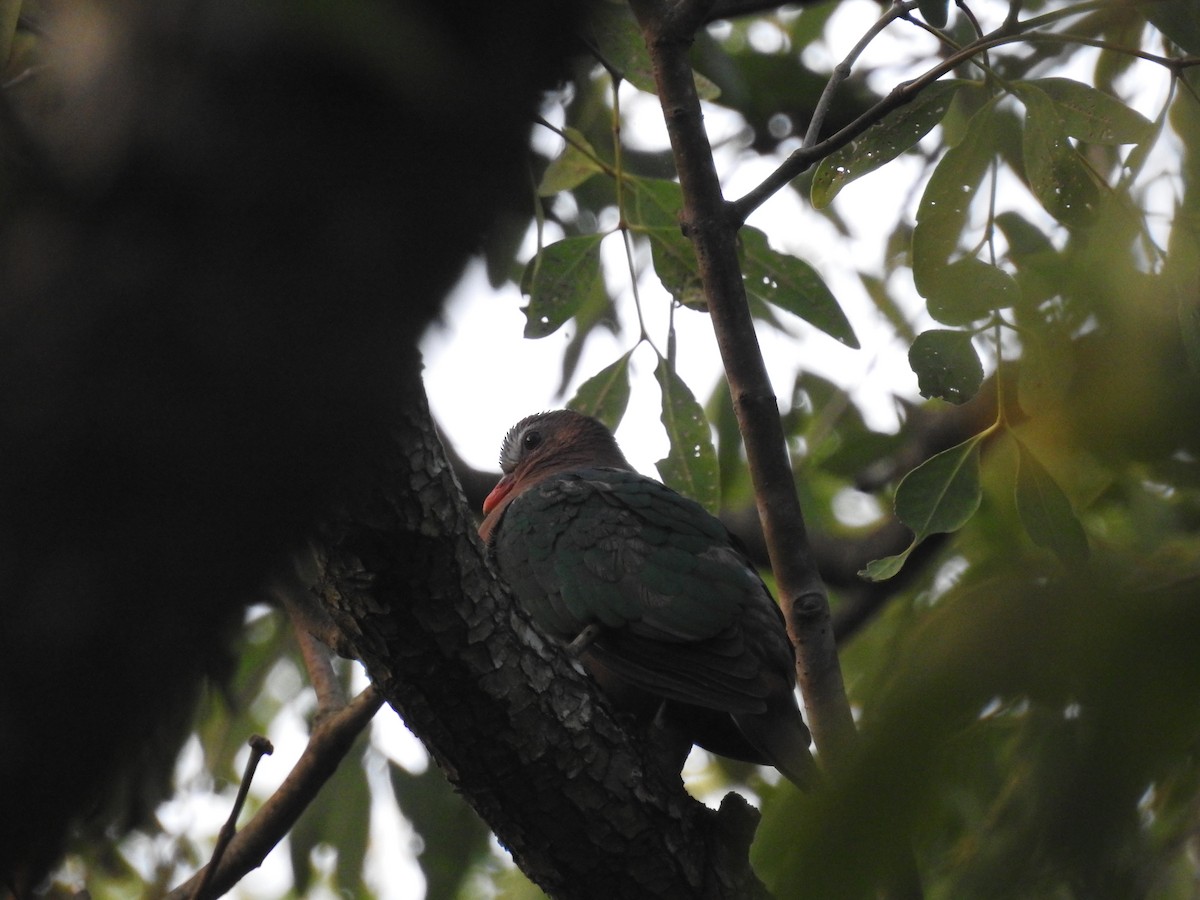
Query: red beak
x,y
502,489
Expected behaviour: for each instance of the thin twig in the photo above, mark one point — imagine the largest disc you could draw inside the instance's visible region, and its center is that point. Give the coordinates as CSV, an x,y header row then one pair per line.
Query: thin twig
x,y
842,70
259,747
713,233
318,662
330,741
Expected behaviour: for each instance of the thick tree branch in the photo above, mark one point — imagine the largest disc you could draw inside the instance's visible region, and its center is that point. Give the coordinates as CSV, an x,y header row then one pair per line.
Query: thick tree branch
x,y
713,231
586,810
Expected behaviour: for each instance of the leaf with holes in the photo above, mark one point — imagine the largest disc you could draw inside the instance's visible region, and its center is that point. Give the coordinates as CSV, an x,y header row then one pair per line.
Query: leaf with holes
x,y
946,201
675,266
1092,115
691,465
793,285
1056,173
946,364
1046,512
605,395
563,277
884,141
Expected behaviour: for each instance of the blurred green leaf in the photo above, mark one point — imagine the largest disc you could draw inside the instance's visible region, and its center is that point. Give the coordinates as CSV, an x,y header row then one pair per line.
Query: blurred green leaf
x,y
1179,20
946,201
968,290
1057,174
453,837
1091,115
1044,373
691,465
935,12
885,568
946,364
560,279
653,202
614,32
792,285
943,492
339,814
675,265
606,394
881,143
1045,510
575,165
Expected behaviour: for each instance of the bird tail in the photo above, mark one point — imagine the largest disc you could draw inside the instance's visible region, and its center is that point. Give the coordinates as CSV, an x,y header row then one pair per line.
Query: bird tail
x,y
781,736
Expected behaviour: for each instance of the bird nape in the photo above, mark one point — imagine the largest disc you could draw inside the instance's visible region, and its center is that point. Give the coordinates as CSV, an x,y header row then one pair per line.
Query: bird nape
x,y
665,612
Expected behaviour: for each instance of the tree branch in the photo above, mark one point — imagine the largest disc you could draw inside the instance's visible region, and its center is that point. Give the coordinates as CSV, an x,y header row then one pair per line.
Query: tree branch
x,y
713,230
331,739
585,809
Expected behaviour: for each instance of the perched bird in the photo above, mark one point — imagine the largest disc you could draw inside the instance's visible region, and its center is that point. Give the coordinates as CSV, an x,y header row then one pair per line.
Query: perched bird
x,y
648,589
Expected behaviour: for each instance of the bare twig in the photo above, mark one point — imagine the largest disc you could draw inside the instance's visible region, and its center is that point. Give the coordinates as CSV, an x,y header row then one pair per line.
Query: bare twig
x,y
330,741
842,70
707,221
259,747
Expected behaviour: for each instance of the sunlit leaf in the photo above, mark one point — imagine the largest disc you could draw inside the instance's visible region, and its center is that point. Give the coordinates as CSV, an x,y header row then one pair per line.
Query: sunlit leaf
x,y
1056,173
946,201
675,266
1092,115
968,290
690,467
560,279
884,141
576,164
946,364
606,394
1045,510
943,492
793,285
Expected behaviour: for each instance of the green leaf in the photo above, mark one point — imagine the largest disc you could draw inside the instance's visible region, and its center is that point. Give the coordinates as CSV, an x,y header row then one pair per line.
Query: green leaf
x,y
943,492
691,465
1179,20
653,202
614,33
946,364
946,201
1044,374
675,265
885,568
606,394
1092,115
1188,310
1046,512
793,285
1057,174
575,165
562,278
968,290
935,12
336,811
881,143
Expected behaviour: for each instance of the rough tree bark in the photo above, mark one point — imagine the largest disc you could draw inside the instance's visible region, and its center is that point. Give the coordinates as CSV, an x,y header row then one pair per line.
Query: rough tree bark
x,y
586,809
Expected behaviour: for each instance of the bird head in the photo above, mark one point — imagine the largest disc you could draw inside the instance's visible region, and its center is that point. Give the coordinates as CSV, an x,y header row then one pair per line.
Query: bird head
x,y
546,444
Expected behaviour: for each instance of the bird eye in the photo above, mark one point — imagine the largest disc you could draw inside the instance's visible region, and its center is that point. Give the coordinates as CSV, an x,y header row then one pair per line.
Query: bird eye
x,y
531,439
